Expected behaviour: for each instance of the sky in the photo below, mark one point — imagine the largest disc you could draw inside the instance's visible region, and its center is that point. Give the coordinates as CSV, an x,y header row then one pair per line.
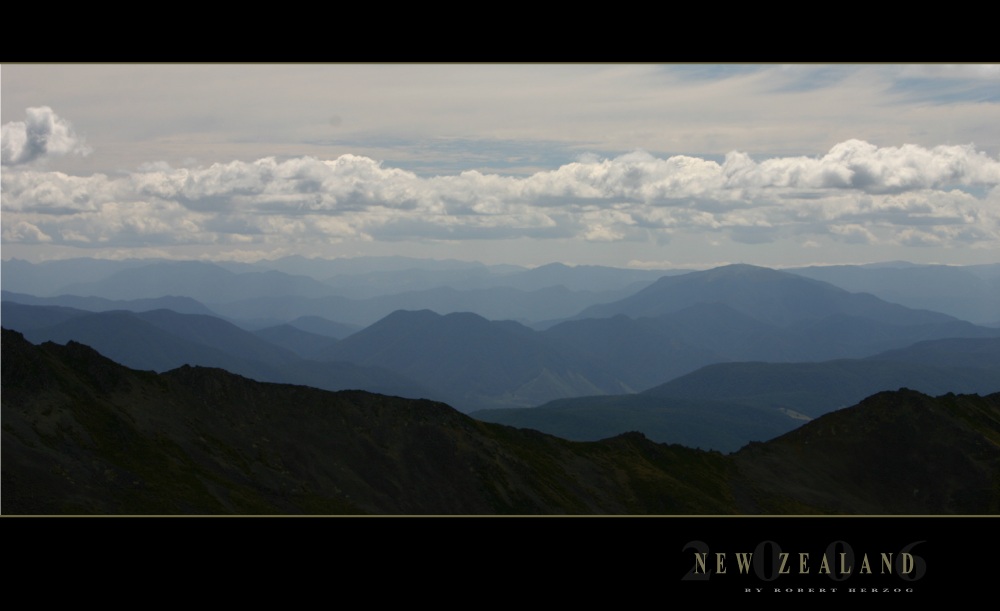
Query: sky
x,y
626,165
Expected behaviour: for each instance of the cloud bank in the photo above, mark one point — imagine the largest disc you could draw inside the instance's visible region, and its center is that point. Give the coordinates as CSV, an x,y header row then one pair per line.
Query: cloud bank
x,y
856,193
43,134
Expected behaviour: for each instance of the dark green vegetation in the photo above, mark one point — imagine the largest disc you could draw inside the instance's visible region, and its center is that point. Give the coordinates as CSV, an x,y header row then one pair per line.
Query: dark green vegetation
x,y
82,434
895,452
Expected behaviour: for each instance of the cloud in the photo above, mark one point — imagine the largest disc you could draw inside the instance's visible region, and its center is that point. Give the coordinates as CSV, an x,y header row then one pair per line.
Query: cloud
x,y
22,231
43,134
857,192
853,234
860,165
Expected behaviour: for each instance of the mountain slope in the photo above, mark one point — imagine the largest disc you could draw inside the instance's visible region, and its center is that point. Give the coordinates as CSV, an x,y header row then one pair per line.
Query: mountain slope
x,y
481,363
494,303
771,296
968,292
814,389
693,422
727,405
202,281
181,305
162,340
82,434
885,455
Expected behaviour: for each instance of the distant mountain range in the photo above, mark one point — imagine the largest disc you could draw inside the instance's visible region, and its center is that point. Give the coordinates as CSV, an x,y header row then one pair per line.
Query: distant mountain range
x,y
970,293
771,296
159,340
727,405
657,333
84,435
263,295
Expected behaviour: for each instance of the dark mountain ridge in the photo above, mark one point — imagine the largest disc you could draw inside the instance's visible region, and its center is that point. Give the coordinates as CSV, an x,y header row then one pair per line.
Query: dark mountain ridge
x,y
84,435
884,455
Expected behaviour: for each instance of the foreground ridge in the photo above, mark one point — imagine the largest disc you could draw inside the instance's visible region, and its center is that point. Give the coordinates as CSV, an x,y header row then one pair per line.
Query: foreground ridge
x,y
84,435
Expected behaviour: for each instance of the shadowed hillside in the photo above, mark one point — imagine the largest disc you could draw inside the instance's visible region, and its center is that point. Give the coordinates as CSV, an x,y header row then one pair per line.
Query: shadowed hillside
x,y
895,452
82,434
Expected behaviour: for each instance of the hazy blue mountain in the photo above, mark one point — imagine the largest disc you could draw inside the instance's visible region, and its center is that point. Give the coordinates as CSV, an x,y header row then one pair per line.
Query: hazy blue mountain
x,y
367,285
326,268
952,352
162,340
742,312
667,329
205,282
729,334
486,363
24,317
496,303
218,333
360,283
302,343
771,296
635,351
323,326
270,310
619,355
968,292
368,277
589,278
182,305
814,389
645,352
128,339
726,405
854,337
50,277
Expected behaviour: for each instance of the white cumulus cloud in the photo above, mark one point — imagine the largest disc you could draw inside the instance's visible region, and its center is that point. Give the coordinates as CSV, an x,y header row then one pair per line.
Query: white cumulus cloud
x,y
41,135
860,165
856,192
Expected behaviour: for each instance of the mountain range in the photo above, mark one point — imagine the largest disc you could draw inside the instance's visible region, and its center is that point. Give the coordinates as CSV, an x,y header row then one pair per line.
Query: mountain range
x,y
665,329
85,435
709,359
727,405
969,293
